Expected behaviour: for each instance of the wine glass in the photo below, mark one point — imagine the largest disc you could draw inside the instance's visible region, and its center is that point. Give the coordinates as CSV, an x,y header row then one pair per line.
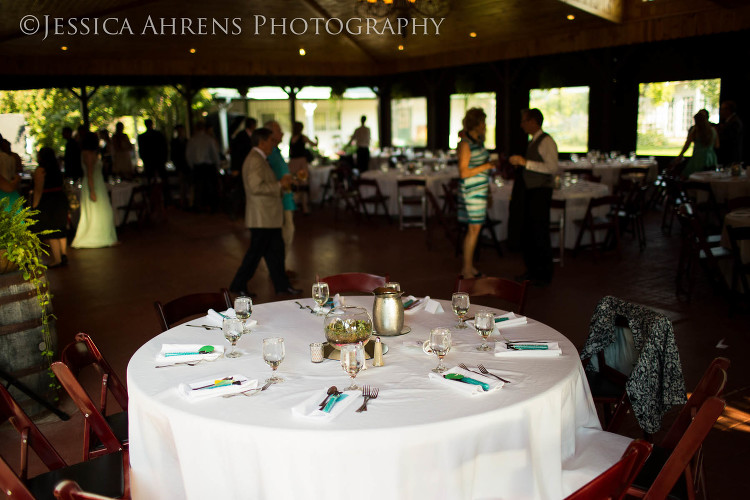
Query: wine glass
x,y
460,303
273,355
352,361
440,344
484,322
243,308
320,296
233,328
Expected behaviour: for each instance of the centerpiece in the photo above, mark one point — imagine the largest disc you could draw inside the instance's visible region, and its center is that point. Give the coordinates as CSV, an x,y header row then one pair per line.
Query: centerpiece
x,y
347,325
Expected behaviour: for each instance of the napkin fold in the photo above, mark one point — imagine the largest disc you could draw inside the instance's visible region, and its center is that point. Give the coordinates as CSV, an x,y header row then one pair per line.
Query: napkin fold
x,y
310,408
216,319
189,391
428,304
161,359
469,389
505,321
502,350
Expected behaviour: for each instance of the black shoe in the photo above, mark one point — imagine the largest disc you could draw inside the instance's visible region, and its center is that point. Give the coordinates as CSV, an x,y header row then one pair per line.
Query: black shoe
x,y
289,291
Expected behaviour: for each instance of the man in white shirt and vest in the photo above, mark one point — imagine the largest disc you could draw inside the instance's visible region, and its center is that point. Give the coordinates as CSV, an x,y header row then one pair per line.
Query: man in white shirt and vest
x,y
361,137
533,185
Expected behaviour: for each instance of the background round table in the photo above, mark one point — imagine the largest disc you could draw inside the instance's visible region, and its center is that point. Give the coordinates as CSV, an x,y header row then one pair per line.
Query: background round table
x,y
723,184
418,439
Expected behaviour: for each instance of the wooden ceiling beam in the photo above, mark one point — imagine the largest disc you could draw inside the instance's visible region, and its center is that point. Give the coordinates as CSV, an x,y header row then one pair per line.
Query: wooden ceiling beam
x,y
323,12
611,10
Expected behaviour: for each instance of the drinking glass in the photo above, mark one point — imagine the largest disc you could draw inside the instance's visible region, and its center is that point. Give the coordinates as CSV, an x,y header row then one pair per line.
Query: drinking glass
x,y
273,355
243,308
484,322
320,296
232,328
352,361
460,303
440,344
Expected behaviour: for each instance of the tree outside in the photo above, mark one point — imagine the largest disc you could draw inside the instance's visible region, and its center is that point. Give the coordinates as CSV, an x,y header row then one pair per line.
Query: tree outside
x,y
566,116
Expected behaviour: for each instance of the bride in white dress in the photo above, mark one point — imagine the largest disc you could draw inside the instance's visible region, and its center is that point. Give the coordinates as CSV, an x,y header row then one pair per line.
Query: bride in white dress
x,y
96,227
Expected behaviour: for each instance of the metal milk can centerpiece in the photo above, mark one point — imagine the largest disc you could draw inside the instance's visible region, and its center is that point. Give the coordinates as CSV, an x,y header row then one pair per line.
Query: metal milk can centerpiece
x,y
387,312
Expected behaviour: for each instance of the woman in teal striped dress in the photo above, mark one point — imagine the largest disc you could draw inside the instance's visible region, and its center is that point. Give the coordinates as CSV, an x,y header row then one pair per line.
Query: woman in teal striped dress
x,y
474,186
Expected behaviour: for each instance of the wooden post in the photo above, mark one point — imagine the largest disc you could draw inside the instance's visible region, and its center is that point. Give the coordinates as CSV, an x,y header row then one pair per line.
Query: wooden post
x,y
84,97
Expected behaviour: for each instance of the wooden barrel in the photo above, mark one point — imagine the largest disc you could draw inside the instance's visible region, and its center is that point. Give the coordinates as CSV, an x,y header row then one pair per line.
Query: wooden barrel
x,y
22,342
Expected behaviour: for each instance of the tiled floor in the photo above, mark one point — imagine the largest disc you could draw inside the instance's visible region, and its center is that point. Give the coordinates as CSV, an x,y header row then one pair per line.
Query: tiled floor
x,y
109,293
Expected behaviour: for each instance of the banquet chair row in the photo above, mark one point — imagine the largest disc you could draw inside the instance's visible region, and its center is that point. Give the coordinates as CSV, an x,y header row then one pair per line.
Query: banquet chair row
x,y
557,225
107,474
501,288
369,195
592,223
412,195
175,311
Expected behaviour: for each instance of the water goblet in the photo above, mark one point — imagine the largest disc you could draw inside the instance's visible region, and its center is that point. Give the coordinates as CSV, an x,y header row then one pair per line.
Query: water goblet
x,y
320,295
484,322
352,361
440,344
460,303
232,328
243,308
273,355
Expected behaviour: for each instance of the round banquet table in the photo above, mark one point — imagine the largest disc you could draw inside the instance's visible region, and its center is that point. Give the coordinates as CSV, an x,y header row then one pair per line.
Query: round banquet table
x,y
737,218
723,185
388,183
609,171
419,439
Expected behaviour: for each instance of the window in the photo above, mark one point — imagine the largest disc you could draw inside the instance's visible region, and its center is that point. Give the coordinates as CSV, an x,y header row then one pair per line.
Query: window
x,y
566,116
409,122
460,103
665,113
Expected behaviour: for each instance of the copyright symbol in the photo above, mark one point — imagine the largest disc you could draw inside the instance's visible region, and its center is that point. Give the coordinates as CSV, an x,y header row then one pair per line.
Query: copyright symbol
x,y
30,25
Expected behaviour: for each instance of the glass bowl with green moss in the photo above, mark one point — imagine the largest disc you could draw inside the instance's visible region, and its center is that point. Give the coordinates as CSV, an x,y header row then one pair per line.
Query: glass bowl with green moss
x,y
347,325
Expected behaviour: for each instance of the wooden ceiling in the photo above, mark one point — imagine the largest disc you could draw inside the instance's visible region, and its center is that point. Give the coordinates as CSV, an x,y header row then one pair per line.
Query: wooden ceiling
x,y
504,29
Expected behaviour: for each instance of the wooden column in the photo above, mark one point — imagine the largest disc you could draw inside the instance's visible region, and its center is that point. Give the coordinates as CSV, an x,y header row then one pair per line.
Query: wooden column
x,y
188,93
84,97
384,114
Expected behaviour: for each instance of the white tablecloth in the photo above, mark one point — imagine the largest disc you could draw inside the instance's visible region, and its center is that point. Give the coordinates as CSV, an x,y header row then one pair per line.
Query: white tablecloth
x,y
577,198
418,439
318,178
388,183
119,195
610,171
724,186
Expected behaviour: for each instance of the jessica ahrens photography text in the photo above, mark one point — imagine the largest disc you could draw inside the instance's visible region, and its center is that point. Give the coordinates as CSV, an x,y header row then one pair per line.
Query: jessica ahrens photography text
x,y
257,25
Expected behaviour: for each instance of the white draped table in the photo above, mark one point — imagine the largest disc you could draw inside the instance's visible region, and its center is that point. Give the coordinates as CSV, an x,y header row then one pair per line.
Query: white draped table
x,y
724,186
418,439
609,171
388,182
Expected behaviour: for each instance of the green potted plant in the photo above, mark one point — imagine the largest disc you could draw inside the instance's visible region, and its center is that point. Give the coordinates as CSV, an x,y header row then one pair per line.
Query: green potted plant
x,y
21,247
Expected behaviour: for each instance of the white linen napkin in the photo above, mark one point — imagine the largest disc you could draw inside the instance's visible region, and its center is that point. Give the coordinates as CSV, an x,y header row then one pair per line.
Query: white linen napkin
x,y
512,320
310,408
428,304
216,319
162,359
469,389
502,351
192,394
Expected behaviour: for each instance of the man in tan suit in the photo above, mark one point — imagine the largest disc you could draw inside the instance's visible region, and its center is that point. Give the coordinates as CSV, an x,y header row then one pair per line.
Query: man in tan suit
x,y
264,216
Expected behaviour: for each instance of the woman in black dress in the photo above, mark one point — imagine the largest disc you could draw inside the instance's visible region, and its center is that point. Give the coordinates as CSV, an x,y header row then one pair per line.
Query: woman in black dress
x,y
51,201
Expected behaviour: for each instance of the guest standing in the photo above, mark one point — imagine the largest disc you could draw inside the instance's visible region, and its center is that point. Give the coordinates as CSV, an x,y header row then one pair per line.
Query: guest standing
x,y
533,185
361,137
52,202
473,165
72,155
152,146
704,138
105,148
96,227
202,154
239,148
281,171
299,163
122,149
730,134
264,217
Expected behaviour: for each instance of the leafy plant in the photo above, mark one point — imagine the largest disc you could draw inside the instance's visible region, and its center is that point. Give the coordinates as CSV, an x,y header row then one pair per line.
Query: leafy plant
x,y
23,248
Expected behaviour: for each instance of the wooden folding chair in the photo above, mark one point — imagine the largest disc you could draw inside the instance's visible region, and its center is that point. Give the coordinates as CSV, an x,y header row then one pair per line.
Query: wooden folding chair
x,y
504,289
412,195
557,225
79,355
608,222
450,226
70,490
354,282
177,310
108,474
614,482
139,202
660,476
374,198
633,195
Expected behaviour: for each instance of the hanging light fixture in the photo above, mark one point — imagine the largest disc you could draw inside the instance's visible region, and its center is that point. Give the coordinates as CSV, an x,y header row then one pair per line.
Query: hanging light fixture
x,y
402,8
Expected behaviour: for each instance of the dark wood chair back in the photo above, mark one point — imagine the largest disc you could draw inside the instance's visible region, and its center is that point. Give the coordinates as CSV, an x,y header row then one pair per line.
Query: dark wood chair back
x,y
176,310
69,490
614,482
502,288
354,282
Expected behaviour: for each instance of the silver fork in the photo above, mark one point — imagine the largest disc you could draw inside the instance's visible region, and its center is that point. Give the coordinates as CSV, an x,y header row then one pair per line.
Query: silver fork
x,y
463,365
253,390
486,372
368,393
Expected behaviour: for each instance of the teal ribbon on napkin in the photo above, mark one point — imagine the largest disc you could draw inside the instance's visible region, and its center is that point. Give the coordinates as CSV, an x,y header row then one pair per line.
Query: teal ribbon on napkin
x,y
332,402
527,347
466,380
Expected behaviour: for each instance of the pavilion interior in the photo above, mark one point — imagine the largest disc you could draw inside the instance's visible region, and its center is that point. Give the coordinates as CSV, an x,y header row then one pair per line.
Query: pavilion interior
x,y
611,46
